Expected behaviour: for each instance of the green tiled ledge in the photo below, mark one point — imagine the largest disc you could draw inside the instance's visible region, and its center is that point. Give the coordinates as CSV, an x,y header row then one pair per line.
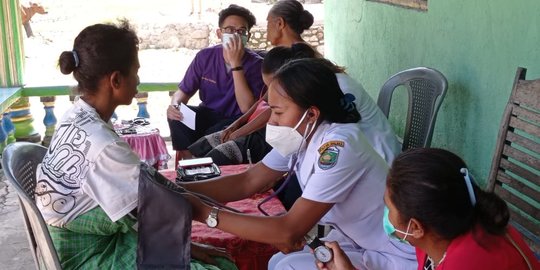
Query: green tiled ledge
x,y
9,95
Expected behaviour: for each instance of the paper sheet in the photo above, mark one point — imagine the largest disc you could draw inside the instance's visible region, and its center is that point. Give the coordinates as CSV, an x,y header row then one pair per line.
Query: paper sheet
x,y
189,116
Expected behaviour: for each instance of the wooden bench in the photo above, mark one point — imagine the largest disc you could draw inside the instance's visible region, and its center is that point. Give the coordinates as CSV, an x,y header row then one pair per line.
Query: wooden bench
x,y
515,171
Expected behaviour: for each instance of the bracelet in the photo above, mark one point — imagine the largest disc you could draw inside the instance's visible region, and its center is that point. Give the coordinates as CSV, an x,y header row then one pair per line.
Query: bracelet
x,y
237,68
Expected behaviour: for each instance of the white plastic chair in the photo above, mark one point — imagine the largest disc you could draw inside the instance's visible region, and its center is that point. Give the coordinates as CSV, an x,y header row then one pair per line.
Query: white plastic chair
x,y
19,161
426,88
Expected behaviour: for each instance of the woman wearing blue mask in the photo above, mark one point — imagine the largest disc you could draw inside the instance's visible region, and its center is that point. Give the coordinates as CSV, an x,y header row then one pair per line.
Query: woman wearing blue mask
x,y
434,205
313,132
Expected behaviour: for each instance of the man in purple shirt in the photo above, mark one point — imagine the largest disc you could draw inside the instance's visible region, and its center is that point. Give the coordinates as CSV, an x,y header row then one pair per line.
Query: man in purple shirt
x,y
228,78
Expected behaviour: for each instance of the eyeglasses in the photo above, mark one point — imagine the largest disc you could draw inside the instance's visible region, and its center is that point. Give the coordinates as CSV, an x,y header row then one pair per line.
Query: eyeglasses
x,y
232,30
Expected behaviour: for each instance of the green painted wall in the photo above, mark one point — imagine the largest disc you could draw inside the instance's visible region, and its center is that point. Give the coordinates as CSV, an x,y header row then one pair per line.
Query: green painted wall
x,y
476,44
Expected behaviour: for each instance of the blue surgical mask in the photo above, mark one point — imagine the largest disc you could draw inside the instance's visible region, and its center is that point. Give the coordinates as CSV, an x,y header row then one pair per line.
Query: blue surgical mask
x,y
391,230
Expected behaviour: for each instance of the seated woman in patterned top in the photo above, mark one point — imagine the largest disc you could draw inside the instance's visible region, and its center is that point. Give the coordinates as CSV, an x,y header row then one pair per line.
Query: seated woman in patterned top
x,y
87,184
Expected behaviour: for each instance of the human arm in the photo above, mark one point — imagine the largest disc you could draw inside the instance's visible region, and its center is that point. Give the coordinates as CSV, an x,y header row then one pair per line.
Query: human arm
x,y
179,97
253,180
113,181
340,260
238,123
257,123
286,232
190,84
233,54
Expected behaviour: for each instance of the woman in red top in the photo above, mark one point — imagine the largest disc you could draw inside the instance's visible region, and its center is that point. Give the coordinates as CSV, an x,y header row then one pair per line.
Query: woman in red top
x,y
434,205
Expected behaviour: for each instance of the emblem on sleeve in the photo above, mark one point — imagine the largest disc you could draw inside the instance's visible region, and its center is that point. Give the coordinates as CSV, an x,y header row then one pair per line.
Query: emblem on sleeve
x,y
329,144
329,154
328,158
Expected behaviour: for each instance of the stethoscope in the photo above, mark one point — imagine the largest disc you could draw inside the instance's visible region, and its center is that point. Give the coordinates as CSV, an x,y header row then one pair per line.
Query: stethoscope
x,y
283,185
321,252
289,174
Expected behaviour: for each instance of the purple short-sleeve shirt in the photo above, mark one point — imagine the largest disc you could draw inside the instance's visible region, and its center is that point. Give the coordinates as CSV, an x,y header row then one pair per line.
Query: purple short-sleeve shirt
x,y
208,74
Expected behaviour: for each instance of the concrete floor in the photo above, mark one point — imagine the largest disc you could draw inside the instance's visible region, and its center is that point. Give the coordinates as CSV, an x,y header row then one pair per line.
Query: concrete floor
x,y
14,249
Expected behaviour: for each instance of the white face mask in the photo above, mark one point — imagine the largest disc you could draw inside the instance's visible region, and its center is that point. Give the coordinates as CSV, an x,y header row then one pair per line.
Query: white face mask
x,y
287,140
227,38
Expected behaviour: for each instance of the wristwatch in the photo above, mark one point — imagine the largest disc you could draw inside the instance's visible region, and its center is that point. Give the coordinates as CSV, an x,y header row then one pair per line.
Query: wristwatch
x,y
212,220
237,68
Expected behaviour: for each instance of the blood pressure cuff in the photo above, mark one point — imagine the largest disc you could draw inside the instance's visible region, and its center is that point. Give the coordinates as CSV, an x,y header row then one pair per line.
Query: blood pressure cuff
x,y
164,223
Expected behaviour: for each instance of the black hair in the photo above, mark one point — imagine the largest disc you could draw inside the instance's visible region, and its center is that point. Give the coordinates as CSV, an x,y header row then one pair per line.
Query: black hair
x,y
237,11
99,50
294,14
309,82
278,56
427,184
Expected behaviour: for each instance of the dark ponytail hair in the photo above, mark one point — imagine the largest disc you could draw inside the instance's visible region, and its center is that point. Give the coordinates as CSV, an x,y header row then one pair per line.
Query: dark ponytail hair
x,y
309,82
294,14
426,184
99,50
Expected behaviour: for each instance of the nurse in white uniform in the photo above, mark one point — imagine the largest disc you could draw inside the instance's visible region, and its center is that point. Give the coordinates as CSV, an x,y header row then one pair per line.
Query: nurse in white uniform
x,y
374,124
313,130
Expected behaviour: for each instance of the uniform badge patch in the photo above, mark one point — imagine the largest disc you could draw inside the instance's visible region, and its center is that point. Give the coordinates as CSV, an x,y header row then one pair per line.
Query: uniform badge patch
x,y
329,154
328,144
328,158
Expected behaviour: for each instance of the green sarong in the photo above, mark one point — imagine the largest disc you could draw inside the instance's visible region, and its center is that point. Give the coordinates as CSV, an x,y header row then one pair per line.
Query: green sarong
x,y
93,241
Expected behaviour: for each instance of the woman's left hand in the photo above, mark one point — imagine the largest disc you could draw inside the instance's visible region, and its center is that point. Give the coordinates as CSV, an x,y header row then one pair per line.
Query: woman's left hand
x,y
206,253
